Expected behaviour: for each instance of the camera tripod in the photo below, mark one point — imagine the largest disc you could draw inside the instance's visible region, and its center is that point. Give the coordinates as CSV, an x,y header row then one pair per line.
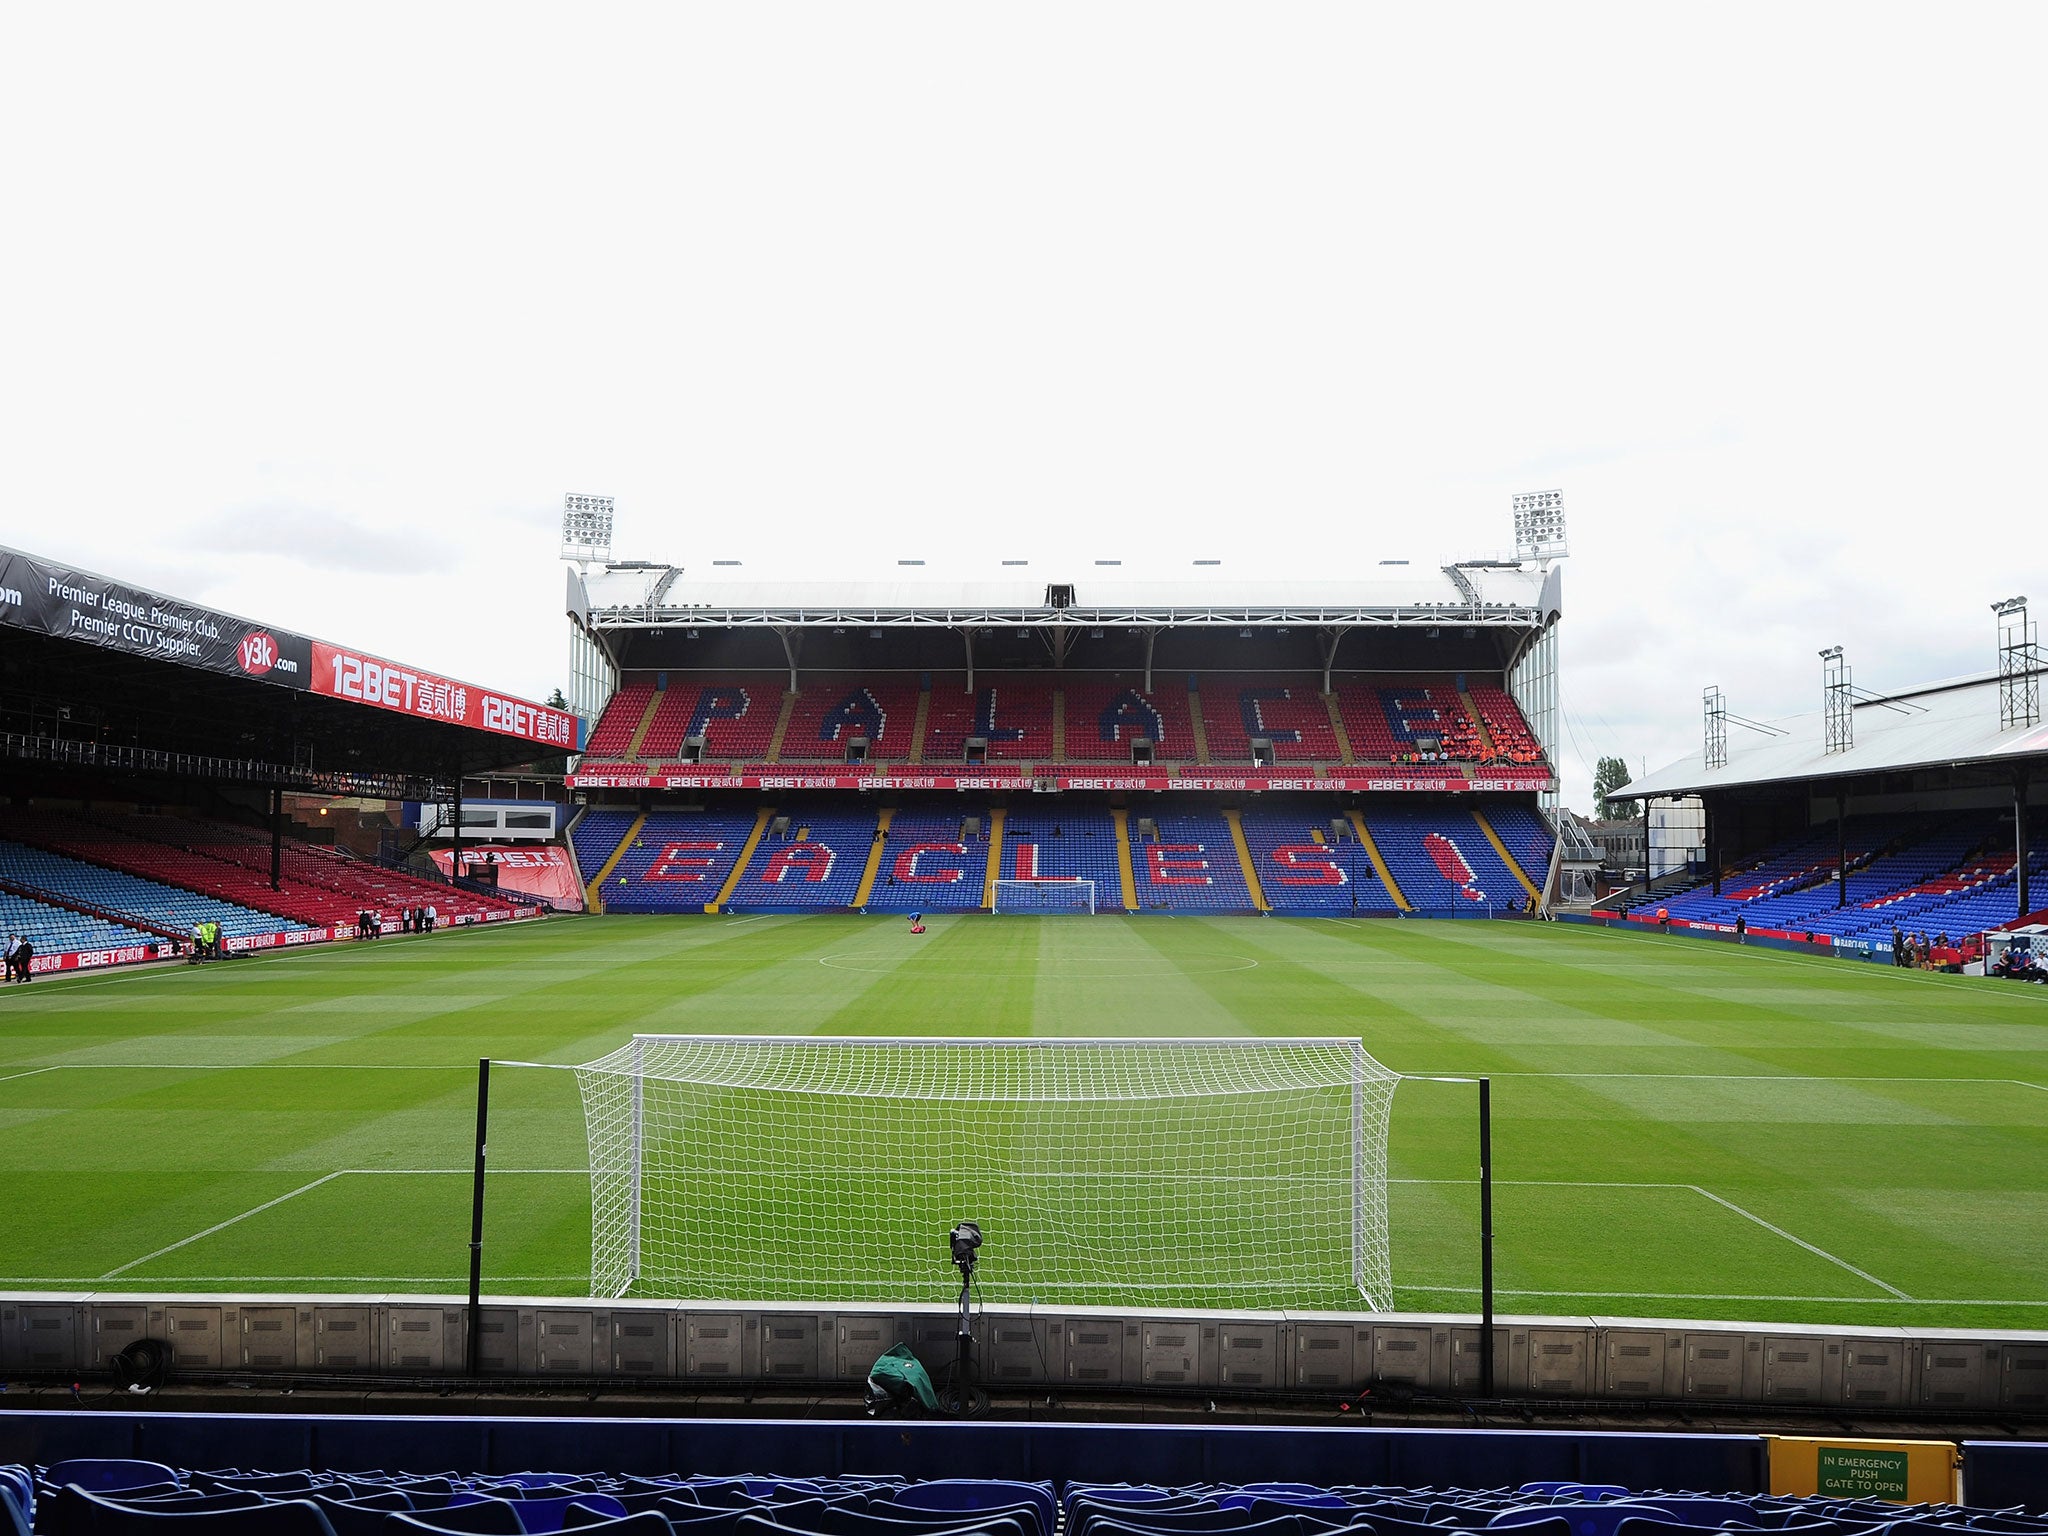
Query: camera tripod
x,y
962,1396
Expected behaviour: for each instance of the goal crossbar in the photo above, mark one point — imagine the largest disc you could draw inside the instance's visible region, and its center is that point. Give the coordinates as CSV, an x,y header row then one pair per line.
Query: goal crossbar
x,y
1182,1171
1077,887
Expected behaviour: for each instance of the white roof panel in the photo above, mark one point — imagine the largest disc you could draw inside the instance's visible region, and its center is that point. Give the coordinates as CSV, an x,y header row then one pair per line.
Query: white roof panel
x,y
916,590
1940,725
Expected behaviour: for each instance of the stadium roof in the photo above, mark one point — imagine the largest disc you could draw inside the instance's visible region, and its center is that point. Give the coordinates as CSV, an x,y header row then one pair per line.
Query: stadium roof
x,y
1951,724
638,594
158,672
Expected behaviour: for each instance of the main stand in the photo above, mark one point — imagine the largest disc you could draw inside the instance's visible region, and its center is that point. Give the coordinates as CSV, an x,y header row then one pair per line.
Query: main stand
x,y
962,1397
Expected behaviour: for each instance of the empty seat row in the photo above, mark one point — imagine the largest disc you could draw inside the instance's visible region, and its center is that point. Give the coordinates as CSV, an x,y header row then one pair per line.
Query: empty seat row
x,y
141,1498
1029,718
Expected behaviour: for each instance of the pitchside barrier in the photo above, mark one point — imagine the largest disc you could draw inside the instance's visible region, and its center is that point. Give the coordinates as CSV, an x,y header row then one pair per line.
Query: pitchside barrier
x,y
629,1345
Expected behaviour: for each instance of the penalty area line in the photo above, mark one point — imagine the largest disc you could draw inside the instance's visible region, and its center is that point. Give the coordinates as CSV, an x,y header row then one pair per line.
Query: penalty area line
x,y
1771,1227
325,1178
1848,1301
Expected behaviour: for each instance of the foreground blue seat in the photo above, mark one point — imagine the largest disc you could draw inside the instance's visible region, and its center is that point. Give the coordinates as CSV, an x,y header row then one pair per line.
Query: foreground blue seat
x,y
1280,1525
1580,1519
956,1494
1698,1511
76,1512
96,1475
478,1517
543,1516
1167,1522
361,1517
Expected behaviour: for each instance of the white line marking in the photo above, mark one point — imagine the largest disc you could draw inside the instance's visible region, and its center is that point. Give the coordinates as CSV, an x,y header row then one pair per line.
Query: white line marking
x,y
325,1178
1755,1077
32,1072
1696,1189
1861,1274
1857,1301
220,1226
72,1281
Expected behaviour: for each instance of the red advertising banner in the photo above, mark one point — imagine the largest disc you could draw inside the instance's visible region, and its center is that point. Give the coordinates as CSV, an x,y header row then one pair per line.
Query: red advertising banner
x,y
545,871
1380,781
345,674
93,959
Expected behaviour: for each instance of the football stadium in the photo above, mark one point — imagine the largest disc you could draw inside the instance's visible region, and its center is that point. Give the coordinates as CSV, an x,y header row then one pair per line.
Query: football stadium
x,y
1053,900
1098,989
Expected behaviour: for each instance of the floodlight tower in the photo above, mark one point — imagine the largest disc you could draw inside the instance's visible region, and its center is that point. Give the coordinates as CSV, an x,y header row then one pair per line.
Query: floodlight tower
x,y
2019,706
1716,752
1539,526
586,529
1837,704
1533,679
2019,662
587,540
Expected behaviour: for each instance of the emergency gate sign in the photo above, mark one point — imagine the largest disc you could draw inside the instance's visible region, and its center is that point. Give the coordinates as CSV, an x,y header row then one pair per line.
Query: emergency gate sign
x,y
1848,1473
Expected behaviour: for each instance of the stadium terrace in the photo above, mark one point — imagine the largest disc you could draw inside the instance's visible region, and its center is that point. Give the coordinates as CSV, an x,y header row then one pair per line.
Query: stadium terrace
x,y
508,1048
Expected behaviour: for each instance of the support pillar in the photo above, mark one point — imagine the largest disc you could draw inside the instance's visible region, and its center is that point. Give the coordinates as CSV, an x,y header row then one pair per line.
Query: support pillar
x,y
276,836
2019,838
1841,850
1713,832
456,865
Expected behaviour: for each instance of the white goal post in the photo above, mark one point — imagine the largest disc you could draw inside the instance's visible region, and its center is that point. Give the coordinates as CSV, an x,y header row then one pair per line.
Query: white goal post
x,y
1048,895
1229,1172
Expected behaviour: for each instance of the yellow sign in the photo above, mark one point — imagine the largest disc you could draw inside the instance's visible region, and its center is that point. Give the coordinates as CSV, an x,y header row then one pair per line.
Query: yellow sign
x,y
1899,1471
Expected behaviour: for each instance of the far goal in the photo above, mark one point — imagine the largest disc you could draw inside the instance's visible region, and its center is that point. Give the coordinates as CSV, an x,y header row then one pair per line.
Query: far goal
x,y
1045,896
1223,1172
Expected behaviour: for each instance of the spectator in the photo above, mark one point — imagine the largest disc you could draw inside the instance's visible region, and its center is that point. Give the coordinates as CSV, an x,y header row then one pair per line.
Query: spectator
x,y
433,915
13,949
22,957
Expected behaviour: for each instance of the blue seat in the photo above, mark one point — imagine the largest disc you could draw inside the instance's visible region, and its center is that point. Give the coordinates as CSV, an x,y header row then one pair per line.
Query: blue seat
x,y
14,1520
478,1517
363,1516
1589,1493
1579,1519
957,1494
1691,1511
543,1517
22,1484
1280,1525
108,1476
78,1513
1647,1525
1210,1517
632,1525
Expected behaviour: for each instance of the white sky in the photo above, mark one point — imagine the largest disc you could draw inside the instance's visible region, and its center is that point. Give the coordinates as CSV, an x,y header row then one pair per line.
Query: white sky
x,y
315,314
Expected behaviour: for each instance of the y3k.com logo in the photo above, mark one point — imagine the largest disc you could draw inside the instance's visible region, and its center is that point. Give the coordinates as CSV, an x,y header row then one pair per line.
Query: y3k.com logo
x,y
259,654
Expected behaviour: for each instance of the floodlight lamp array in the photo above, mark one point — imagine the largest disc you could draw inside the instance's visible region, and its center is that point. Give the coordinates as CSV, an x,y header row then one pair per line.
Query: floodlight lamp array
x,y
1539,526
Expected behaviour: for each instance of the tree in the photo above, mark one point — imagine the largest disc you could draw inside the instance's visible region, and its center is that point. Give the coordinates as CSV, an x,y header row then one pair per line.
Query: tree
x,y
556,701
1611,775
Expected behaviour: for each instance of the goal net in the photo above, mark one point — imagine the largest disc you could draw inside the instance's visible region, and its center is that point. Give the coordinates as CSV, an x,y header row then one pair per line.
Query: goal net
x,y
1203,1173
1045,896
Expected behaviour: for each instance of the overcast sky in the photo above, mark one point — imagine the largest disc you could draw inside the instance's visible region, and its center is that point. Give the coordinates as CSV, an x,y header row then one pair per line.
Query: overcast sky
x,y
314,314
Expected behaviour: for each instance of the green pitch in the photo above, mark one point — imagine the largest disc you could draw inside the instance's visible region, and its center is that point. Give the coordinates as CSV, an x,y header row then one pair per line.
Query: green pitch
x,y
1681,1129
